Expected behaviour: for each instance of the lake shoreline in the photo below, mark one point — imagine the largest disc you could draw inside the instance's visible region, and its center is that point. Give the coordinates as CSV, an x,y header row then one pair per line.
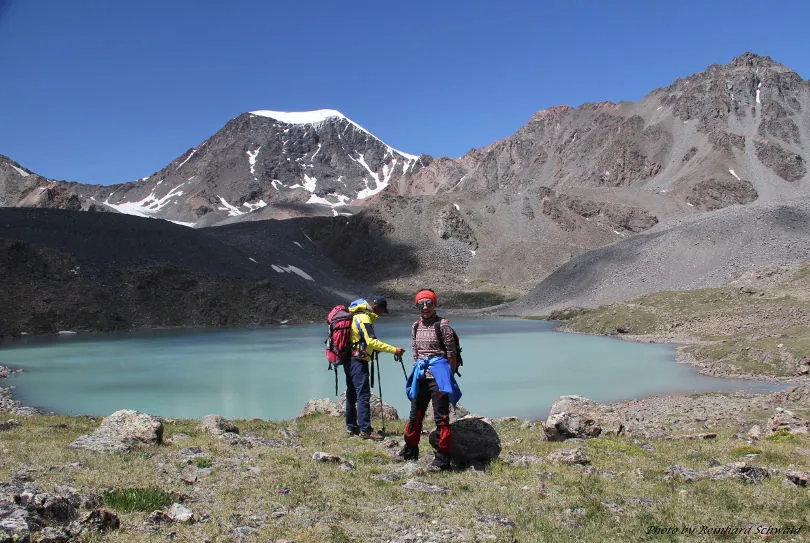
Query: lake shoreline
x,y
703,367
677,412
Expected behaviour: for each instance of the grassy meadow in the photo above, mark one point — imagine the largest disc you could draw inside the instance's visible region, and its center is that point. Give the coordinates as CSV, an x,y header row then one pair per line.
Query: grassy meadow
x,y
270,494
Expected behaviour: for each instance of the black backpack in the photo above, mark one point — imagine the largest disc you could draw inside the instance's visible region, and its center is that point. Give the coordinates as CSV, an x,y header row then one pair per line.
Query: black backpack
x,y
437,326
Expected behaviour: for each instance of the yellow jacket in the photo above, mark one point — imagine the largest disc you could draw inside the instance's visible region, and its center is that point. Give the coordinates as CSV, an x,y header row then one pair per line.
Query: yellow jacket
x,y
364,340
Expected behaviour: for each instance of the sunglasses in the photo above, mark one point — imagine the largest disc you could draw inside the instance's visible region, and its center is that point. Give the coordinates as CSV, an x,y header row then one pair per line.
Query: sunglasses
x,y
425,303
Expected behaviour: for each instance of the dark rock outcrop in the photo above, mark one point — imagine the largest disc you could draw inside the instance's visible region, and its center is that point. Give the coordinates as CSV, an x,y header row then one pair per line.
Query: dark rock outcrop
x,y
474,440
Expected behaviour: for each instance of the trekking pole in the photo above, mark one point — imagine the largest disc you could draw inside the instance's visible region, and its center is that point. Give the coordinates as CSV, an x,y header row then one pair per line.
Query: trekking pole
x,y
379,388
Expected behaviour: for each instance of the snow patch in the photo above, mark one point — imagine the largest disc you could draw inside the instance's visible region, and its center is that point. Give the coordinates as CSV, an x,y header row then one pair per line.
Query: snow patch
x,y
732,172
758,87
341,200
233,211
149,205
300,117
187,159
253,207
183,223
379,185
252,259
298,244
292,269
19,170
457,207
252,159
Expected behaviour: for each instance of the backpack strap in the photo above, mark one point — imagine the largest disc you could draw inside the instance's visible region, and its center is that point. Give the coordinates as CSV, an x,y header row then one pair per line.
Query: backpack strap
x,y
438,327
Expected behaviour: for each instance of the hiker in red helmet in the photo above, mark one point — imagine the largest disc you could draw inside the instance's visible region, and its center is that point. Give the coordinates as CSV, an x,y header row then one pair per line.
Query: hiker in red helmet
x,y
435,357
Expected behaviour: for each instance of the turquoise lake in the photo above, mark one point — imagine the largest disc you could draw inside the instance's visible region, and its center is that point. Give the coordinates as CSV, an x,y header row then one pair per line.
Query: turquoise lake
x,y
511,367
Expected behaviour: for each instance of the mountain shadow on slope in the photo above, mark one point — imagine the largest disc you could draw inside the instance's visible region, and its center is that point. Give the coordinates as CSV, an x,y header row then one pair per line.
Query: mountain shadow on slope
x,y
65,270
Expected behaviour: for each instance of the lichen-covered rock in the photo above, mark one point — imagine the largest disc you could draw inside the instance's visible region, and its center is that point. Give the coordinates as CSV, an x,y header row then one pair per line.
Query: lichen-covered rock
x,y
122,431
327,406
218,425
798,478
98,520
570,457
784,419
17,522
578,417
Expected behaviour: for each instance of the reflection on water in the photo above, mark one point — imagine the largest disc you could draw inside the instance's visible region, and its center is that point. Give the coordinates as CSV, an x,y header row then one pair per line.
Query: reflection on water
x,y
512,367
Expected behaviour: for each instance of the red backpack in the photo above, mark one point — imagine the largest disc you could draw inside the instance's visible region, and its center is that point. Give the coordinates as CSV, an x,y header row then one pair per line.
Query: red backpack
x,y
339,339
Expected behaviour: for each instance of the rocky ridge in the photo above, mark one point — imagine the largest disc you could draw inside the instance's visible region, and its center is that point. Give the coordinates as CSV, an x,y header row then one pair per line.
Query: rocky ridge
x,y
260,165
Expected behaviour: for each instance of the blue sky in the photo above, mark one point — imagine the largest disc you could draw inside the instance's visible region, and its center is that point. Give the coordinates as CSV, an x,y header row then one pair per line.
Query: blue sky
x,y
101,91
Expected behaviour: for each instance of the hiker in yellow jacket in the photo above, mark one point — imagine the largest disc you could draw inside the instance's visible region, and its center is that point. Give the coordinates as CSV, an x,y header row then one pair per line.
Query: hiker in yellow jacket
x,y
364,344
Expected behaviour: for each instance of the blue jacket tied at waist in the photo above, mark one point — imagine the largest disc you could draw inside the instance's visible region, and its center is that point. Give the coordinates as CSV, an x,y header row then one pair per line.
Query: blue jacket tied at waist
x,y
442,372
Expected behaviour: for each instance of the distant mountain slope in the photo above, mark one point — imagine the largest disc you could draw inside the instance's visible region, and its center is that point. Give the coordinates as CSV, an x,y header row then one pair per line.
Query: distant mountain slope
x,y
260,165
706,251
63,269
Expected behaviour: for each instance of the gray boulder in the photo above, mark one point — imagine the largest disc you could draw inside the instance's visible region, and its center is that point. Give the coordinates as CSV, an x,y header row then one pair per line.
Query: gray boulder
x,y
324,406
798,478
570,457
121,432
17,523
473,440
327,406
218,425
96,521
48,506
578,417
784,419
738,470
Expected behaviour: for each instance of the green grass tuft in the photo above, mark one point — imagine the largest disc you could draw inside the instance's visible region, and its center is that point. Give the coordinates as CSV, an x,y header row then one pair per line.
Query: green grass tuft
x,y
202,462
744,451
615,446
137,499
783,436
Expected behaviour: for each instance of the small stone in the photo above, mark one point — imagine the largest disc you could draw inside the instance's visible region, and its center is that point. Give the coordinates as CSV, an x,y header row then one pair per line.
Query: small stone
x,y
180,513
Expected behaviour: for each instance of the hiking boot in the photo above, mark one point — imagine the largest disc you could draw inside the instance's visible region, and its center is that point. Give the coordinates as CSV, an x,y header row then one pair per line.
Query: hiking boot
x,y
441,462
407,454
352,432
372,437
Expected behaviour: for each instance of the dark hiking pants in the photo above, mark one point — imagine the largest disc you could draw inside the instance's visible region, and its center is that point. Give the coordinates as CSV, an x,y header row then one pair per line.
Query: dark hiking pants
x,y
358,396
429,390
